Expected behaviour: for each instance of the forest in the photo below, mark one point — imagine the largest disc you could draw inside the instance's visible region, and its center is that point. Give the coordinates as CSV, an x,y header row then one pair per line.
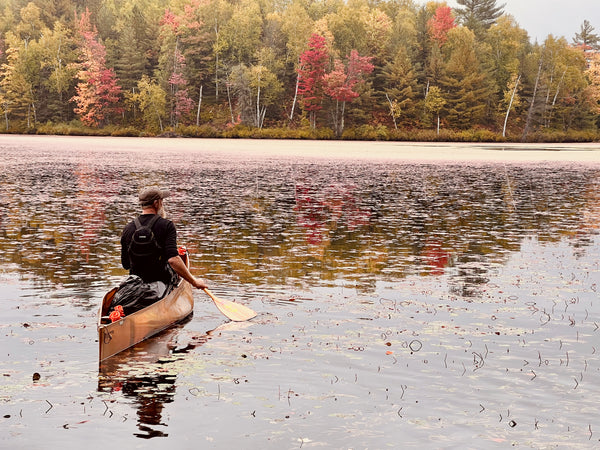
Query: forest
x,y
312,69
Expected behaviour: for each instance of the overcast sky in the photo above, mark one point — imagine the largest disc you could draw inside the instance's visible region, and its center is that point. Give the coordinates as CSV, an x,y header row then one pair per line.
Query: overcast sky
x,y
558,17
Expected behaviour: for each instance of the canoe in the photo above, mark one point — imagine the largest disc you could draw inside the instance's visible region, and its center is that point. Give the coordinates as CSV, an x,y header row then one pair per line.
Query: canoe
x,y
136,327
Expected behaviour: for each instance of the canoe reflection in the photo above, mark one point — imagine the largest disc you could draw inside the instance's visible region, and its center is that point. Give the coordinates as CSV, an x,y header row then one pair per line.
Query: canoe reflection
x,y
142,374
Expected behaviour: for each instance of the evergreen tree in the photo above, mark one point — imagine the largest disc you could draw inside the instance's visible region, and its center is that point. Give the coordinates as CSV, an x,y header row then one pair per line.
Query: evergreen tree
x,y
379,34
464,83
479,15
133,45
586,38
402,88
130,60
428,61
197,47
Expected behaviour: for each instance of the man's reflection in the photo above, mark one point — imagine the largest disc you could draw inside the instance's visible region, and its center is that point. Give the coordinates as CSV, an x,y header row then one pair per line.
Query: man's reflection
x,y
142,374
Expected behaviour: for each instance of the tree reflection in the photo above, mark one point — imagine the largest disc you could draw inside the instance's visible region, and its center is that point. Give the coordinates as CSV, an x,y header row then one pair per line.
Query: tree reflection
x,y
293,223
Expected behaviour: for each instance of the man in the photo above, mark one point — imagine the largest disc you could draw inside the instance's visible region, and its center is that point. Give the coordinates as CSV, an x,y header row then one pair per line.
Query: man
x,y
157,268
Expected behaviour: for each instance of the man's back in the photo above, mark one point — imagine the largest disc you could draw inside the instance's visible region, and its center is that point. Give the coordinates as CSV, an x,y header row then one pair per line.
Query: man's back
x,y
152,268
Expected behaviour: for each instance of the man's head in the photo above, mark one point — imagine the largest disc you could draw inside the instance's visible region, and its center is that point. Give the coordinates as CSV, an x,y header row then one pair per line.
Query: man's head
x,y
151,197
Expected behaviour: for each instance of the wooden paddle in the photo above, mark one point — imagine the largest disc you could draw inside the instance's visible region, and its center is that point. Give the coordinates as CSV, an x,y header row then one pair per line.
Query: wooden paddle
x,y
234,311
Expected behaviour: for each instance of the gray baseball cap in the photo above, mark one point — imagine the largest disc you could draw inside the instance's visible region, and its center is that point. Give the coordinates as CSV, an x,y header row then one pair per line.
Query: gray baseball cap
x,y
150,194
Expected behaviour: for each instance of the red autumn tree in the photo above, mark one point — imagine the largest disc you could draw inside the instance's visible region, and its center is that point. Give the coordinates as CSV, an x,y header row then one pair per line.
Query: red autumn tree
x,y
440,24
98,93
173,27
341,82
182,103
311,74
170,20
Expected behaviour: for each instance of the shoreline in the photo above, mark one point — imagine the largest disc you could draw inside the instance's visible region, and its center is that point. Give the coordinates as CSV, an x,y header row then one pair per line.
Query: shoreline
x,y
325,149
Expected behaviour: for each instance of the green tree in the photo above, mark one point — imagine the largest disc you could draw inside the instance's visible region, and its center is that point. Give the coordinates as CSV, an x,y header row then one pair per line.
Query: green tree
x,y
195,41
266,90
238,87
428,59
559,98
534,60
7,17
586,38
402,88
52,11
504,52
132,47
20,75
593,93
379,29
30,27
215,16
19,80
409,32
478,15
58,70
434,104
152,102
565,83
242,33
464,82
349,28
508,46
130,62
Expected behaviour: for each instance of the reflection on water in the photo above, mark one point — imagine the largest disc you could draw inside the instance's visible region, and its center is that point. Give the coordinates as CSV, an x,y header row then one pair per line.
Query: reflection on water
x,y
293,222
143,374
147,373
415,303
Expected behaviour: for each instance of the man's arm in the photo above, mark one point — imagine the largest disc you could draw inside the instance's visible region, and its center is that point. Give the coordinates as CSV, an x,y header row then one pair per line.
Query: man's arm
x,y
179,266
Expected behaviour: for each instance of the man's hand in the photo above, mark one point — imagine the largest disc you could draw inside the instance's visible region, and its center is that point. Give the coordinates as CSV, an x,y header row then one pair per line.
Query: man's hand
x,y
199,283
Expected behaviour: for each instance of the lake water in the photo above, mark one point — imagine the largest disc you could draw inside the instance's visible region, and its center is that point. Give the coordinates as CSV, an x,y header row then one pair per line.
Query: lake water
x,y
408,295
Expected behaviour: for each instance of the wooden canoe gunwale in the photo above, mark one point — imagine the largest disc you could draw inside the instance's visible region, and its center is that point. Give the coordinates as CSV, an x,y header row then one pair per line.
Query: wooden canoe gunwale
x,y
134,328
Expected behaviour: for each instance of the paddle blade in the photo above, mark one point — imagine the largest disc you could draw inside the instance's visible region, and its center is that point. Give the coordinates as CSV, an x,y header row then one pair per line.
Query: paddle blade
x,y
232,310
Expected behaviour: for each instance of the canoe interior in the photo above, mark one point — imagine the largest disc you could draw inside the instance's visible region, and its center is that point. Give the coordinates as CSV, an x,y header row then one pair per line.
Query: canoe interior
x,y
115,337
